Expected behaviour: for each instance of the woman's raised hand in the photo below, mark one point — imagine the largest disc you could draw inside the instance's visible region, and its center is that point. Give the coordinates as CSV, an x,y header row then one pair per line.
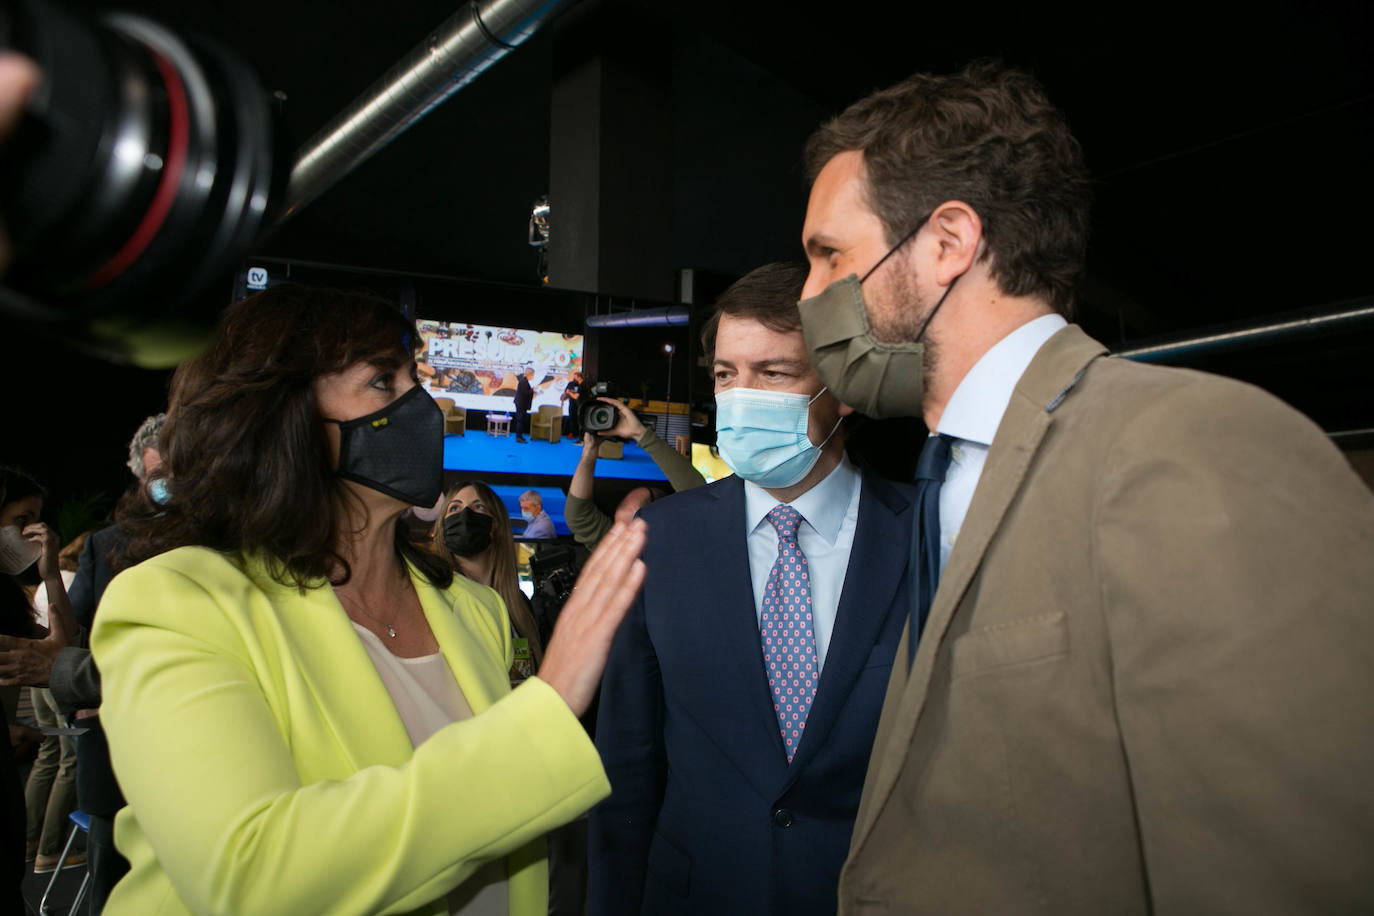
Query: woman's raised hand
x,y
582,637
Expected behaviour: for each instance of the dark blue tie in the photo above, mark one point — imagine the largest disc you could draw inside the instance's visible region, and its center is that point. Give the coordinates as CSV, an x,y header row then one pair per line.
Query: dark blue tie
x,y
925,534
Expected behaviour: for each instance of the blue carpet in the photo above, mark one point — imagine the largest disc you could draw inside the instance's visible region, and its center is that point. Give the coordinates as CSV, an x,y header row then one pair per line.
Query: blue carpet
x,y
477,453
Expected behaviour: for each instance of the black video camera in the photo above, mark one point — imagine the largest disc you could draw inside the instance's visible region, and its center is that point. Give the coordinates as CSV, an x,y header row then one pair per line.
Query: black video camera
x,y
594,415
553,567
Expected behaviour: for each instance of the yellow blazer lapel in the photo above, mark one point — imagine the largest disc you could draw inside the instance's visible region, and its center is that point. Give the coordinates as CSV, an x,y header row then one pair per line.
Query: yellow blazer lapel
x,y
347,691
470,638
1052,373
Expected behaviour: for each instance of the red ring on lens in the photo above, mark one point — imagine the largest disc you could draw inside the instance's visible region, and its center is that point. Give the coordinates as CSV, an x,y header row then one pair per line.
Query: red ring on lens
x,y
178,142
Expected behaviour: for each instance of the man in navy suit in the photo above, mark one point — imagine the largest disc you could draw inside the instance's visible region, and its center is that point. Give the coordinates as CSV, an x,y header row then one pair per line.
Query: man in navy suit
x,y
735,770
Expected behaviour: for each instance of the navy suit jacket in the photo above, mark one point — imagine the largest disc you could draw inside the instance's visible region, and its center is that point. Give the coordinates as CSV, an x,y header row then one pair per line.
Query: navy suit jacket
x,y
705,813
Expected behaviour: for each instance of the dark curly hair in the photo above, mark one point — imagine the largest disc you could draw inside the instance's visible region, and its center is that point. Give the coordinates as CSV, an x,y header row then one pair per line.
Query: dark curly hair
x,y
244,446
987,136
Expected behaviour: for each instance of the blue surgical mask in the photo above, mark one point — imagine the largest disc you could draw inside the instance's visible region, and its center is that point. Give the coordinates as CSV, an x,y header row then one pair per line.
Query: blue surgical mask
x,y
527,515
157,489
762,435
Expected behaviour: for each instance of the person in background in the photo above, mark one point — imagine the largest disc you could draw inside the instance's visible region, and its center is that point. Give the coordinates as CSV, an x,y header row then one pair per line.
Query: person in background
x,y
50,793
18,78
1140,676
24,540
742,694
66,667
572,396
524,397
587,522
307,712
473,535
538,524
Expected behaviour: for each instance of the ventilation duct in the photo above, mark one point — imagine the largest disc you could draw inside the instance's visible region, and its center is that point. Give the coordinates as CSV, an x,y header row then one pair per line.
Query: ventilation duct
x,y
673,315
453,55
1343,316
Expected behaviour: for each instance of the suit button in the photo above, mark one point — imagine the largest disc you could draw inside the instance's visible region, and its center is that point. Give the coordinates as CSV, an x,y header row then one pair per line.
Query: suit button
x,y
782,817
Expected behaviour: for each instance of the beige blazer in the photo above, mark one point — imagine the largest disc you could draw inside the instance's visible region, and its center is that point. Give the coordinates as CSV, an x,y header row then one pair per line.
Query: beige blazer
x,y
1147,680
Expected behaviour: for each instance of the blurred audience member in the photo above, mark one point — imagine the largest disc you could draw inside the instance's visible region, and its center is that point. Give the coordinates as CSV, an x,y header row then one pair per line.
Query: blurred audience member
x,y
587,522
473,534
24,540
537,521
50,794
71,675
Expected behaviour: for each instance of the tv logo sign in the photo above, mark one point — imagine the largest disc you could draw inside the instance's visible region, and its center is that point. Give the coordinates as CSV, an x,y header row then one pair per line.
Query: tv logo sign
x,y
257,278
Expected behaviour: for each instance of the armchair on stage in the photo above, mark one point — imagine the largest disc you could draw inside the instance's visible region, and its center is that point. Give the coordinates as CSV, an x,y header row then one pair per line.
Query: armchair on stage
x,y
547,423
455,418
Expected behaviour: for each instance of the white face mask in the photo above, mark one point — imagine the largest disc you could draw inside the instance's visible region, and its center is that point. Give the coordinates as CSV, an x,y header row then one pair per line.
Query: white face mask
x,y
17,553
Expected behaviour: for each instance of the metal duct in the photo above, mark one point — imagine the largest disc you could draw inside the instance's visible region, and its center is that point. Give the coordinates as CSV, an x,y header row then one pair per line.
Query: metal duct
x,y
453,55
643,318
1340,317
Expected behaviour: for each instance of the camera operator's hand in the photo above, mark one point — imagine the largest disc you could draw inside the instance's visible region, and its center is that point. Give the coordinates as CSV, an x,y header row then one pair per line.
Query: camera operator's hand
x,y
628,425
581,642
18,77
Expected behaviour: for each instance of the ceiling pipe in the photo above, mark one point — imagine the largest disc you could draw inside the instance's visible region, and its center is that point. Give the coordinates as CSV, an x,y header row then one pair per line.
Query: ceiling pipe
x,y
454,54
1343,316
673,315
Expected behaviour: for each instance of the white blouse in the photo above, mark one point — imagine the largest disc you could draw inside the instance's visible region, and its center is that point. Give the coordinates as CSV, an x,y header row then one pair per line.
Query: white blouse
x,y
428,697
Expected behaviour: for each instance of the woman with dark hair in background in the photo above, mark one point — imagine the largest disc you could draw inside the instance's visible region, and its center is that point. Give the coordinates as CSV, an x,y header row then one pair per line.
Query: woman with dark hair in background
x,y
473,535
308,713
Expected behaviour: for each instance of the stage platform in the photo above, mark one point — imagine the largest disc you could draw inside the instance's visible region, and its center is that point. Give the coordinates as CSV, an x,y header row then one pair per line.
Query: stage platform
x,y
478,453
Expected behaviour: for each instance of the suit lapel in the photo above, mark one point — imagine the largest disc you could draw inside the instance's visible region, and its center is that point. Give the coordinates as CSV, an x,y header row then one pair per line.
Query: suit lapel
x,y
729,630
462,645
342,678
1047,380
877,564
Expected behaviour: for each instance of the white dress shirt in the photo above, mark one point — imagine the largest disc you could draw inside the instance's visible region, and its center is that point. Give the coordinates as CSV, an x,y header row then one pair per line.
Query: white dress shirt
x,y
830,513
975,411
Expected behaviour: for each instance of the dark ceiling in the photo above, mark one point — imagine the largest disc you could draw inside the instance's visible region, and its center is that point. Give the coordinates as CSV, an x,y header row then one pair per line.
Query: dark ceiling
x,y
1231,147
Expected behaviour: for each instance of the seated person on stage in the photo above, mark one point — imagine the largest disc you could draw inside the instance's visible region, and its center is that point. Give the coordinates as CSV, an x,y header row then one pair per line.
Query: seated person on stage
x,y
587,522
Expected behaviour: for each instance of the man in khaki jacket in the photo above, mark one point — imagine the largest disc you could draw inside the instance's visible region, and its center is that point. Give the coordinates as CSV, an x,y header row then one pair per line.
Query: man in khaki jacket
x,y
1145,681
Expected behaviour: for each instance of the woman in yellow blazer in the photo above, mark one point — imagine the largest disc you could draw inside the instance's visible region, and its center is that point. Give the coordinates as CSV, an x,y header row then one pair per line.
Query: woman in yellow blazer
x,y
307,713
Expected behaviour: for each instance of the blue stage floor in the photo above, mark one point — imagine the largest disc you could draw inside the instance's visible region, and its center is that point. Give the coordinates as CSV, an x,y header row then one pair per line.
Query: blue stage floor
x,y
478,453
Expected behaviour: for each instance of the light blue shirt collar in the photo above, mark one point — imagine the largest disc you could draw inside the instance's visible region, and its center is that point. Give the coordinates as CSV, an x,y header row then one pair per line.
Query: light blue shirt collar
x,y
975,409
823,506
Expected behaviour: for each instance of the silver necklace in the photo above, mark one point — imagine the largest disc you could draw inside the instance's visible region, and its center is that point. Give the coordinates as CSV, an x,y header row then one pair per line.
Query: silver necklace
x,y
390,630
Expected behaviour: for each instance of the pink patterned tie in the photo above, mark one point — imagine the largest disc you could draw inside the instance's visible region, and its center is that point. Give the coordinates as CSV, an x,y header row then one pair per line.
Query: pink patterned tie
x,y
789,638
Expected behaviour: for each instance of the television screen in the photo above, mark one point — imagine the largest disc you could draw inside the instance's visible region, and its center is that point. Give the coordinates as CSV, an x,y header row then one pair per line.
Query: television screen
x,y
476,365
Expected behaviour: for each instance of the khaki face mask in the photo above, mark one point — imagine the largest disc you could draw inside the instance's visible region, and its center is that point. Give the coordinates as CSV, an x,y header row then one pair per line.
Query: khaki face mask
x,y
877,379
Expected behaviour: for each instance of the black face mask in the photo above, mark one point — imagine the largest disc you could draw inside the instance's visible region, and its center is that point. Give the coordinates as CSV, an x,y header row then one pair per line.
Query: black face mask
x,y
468,533
399,450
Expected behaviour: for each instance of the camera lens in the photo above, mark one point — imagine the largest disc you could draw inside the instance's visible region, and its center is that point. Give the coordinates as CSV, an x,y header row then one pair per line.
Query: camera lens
x,y
141,172
599,417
